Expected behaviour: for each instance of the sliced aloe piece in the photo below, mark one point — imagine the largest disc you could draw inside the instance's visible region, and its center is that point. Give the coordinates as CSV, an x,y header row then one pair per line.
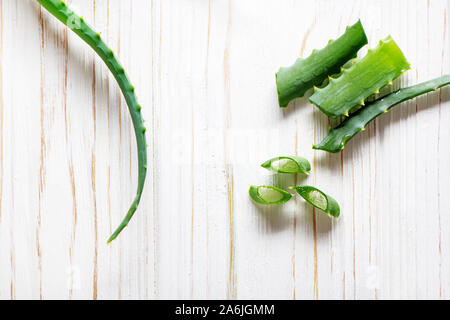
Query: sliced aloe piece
x,y
269,195
340,135
287,165
294,81
318,199
378,68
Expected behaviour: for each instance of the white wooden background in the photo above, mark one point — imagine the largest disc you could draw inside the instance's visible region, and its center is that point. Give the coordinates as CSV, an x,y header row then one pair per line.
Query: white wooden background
x,y
204,72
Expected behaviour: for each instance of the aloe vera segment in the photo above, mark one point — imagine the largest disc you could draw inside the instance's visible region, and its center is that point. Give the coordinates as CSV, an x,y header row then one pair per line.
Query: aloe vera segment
x,y
268,195
319,200
287,165
77,24
378,68
294,81
337,138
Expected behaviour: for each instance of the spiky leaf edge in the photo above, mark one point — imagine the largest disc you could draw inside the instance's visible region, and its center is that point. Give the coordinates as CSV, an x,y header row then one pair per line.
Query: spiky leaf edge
x,y
64,14
352,40
337,137
343,76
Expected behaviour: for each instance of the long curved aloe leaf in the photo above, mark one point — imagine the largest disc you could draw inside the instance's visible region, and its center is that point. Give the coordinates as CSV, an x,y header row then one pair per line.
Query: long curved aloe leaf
x,y
294,81
378,68
339,136
77,24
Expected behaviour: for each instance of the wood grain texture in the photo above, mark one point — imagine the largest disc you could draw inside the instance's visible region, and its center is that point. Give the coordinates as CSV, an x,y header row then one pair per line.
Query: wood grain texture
x,y
204,72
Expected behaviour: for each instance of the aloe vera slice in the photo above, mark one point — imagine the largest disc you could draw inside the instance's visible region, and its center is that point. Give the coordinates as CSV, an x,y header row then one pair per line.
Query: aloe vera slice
x,y
294,81
318,199
287,165
339,136
268,195
378,68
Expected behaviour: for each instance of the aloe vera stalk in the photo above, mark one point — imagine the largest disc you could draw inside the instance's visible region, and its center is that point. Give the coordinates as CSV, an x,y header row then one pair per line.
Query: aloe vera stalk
x,y
319,200
76,23
268,195
339,136
294,81
287,165
378,68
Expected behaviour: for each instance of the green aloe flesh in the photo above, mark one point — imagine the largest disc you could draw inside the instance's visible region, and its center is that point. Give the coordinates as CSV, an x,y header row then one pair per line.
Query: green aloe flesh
x,y
294,81
268,195
76,23
319,200
287,165
339,136
378,68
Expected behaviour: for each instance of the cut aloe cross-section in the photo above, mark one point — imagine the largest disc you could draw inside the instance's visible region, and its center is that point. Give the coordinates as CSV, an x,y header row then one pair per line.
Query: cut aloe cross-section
x,y
340,135
378,68
319,199
294,81
269,195
287,165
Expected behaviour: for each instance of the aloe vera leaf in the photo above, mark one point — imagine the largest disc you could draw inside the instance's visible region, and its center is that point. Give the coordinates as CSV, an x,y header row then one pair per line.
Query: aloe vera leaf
x,y
319,200
287,165
294,81
77,24
268,195
339,136
378,68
